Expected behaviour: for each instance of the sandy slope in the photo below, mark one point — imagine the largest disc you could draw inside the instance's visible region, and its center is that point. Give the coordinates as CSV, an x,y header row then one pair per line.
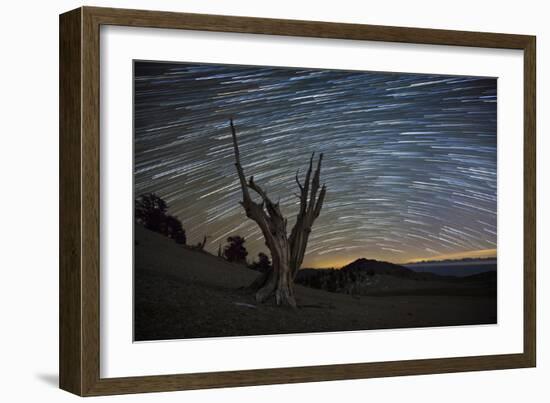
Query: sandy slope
x,y
183,293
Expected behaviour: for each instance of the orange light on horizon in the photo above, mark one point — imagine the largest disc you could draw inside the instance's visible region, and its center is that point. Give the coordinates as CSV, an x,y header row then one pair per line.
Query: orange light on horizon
x,y
474,254
339,262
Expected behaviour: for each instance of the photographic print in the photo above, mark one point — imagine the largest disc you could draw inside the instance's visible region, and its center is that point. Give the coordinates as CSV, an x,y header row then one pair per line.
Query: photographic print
x,y
277,200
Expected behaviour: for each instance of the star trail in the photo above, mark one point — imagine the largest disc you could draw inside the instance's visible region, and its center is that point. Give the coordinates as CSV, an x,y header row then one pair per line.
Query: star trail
x,y
410,160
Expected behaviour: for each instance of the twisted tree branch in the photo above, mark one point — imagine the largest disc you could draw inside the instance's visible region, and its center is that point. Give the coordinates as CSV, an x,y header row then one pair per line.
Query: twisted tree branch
x,y
287,252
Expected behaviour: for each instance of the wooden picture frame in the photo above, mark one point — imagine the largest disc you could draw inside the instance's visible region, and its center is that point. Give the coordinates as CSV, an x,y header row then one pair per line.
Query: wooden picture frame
x,y
79,201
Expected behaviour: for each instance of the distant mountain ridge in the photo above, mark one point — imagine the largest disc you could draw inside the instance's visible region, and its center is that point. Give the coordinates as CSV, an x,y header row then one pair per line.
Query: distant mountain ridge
x,y
370,267
373,277
480,260
377,267
458,268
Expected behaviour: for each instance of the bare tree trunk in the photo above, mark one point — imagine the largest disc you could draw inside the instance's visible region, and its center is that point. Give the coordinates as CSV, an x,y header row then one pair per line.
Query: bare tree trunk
x,y
278,281
200,245
310,208
287,253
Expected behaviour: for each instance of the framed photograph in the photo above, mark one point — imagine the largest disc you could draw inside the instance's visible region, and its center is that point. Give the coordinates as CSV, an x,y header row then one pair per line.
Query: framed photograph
x,y
249,201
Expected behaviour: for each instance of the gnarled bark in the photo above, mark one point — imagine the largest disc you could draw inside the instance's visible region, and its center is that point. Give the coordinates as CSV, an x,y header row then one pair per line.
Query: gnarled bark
x,y
310,208
287,252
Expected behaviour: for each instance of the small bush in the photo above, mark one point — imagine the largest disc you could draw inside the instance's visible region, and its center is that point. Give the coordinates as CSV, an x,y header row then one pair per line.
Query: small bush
x,y
235,251
152,212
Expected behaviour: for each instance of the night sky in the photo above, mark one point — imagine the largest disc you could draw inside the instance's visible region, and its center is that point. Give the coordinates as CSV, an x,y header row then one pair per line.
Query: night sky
x,y
409,159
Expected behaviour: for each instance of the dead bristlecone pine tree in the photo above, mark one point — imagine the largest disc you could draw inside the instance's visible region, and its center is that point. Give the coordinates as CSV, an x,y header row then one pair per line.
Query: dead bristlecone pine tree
x,y
287,251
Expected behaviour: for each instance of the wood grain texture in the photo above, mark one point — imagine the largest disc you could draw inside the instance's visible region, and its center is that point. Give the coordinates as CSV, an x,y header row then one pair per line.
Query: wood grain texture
x,y
90,201
80,196
221,23
530,203
161,383
70,312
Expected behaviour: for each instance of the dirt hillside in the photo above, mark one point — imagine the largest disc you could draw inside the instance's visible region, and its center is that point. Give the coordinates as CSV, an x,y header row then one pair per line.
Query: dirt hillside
x,y
185,293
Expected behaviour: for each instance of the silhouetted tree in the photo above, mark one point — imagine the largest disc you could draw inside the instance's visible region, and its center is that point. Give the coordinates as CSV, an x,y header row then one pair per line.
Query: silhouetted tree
x,y
174,230
152,212
287,250
263,264
235,251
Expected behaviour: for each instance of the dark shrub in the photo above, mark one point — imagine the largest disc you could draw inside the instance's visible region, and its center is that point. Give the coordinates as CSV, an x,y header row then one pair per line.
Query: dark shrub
x,y
174,230
235,251
263,264
151,211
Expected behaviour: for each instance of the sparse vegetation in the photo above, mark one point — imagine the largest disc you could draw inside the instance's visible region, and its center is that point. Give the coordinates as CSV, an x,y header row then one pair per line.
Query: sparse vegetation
x,y
263,264
151,211
372,277
184,293
200,245
235,251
